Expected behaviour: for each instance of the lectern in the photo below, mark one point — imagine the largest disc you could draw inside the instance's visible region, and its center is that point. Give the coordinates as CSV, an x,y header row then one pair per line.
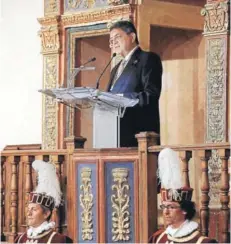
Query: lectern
x,y
107,109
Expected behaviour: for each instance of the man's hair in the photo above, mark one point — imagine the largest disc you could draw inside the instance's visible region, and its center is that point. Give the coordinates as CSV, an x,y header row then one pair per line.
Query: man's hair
x,y
45,209
189,208
125,26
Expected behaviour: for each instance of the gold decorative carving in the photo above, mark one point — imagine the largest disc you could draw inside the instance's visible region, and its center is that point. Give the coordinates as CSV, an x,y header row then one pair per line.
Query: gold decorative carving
x,y
97,16
120,205
117,2
86,202
49,105
216,18
50,39
51,20
51,7
73,4
214,171
216,90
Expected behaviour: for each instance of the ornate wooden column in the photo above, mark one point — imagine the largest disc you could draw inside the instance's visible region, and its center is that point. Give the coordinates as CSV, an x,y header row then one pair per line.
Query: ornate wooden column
x,y
50,49
224,198
216,33
204,211
14,198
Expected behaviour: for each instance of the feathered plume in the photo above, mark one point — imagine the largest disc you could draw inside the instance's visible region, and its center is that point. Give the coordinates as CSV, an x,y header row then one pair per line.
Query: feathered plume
x,y
47,180
169,170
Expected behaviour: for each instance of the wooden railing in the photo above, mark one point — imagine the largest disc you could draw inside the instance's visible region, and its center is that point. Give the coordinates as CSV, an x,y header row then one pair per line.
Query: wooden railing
x,y
138,166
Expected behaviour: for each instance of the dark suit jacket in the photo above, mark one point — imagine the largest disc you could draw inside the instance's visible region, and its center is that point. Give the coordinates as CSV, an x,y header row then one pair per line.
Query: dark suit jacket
x,y
140,79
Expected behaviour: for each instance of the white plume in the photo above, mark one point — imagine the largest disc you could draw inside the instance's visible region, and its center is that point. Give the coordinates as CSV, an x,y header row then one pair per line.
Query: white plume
x,y
169,170
47,180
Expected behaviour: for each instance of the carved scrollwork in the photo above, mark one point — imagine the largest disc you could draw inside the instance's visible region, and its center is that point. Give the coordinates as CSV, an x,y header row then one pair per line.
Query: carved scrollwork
x,y
51,7
50,39
216,90
101,15
216,18
49,105
214,167
86,202
120,205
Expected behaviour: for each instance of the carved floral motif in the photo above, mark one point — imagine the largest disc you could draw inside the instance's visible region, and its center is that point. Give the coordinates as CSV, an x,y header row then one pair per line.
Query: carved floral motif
x,y
86,202
120,205
214,167
216,18
50,107
216,91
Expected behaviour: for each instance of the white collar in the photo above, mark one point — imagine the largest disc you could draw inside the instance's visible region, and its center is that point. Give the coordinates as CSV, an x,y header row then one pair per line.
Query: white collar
x,y
128,56
33,232
185,229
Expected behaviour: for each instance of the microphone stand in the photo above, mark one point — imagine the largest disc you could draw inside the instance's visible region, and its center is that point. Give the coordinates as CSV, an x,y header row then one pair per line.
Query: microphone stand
x,y
97,83
76,71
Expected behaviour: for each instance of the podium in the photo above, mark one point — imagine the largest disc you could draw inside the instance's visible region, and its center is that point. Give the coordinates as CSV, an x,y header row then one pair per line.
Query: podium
x,y
107,108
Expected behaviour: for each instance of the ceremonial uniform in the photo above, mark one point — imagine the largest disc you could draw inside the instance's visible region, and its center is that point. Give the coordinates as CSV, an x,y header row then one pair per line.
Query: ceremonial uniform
x,y
42,201
176,203
187,233
43,234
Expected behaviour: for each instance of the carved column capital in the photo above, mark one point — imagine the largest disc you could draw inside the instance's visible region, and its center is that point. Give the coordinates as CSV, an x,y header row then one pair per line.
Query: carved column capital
x,y
216,18
50,39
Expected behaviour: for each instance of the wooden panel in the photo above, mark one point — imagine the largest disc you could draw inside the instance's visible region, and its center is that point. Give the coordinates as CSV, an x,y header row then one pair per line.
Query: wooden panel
x,y
172,15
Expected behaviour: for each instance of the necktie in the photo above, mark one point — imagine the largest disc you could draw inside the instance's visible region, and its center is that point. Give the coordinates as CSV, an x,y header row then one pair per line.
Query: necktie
x,y
119,71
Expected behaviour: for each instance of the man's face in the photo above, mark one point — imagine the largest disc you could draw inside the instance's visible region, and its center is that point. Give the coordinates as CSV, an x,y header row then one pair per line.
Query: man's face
x,y
35,215
173,214
120,42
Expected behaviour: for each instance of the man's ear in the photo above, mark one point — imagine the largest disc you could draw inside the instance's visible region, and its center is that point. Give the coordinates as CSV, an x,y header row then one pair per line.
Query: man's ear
x,y
47,214
133,37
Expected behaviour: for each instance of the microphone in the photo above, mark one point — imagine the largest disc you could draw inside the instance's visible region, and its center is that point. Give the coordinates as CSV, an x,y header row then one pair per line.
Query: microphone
x,y
89,61
97,83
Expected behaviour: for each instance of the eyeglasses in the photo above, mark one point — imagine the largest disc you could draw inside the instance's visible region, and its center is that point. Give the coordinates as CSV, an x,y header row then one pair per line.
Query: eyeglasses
x,y
114,40
169,207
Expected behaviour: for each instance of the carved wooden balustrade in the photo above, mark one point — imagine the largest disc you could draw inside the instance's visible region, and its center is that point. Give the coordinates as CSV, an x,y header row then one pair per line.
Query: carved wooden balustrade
x,y
111,194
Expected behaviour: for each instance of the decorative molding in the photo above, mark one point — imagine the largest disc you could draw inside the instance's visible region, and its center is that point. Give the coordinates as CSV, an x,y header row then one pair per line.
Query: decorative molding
x,y
53,20
216,18
97,16
86,202
120,205
214,171
50,41
49,105
216,90
51,7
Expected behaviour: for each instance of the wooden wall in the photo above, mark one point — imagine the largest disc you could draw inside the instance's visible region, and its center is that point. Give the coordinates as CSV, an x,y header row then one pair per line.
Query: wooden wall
x,y
182,102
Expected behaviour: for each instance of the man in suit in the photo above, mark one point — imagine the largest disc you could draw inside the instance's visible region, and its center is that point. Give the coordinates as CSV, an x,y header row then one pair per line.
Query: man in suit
x,y
138,75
